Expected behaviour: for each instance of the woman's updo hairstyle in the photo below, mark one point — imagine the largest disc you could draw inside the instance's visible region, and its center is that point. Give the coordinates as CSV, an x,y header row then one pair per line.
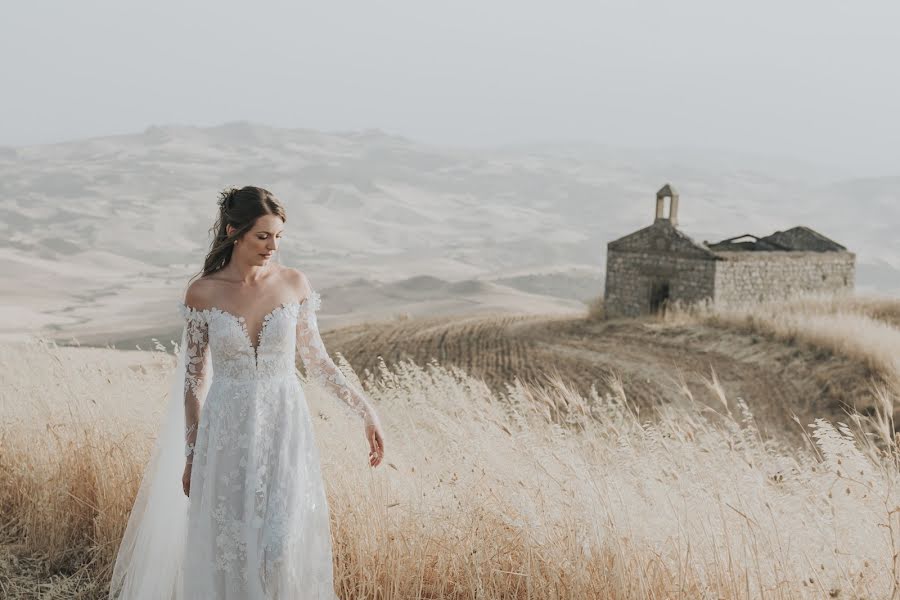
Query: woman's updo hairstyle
x,y
239,208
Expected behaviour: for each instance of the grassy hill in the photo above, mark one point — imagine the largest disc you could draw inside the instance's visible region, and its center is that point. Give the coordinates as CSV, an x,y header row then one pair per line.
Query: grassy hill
x,y
665,474
654,360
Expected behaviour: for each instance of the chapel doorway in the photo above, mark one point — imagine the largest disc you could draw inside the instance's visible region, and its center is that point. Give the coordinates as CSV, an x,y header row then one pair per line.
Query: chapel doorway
x,y
659,297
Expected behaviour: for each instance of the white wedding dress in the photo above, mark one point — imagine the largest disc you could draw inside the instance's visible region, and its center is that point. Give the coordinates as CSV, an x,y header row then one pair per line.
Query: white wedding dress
x,y
256,525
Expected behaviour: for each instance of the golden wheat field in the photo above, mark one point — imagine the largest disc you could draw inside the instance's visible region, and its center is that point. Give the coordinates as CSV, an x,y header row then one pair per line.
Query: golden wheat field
x,y
526,457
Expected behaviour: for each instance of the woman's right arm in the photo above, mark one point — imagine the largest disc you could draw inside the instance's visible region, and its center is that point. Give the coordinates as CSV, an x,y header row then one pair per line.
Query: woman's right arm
x,y
196,367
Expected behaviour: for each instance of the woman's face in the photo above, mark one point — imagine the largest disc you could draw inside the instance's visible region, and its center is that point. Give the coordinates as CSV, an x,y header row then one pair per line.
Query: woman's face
x,y
257,246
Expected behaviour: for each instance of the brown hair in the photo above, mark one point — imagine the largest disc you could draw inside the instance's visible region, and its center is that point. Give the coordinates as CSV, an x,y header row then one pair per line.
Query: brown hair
x,y
239,208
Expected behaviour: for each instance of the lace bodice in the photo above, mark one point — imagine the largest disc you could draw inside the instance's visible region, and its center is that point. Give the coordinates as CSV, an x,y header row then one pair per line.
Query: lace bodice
x,y
218,345
232,354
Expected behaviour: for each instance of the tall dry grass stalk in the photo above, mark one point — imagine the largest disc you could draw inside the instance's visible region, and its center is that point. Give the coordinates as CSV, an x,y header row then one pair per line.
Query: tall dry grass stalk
x,y
866,329
538,493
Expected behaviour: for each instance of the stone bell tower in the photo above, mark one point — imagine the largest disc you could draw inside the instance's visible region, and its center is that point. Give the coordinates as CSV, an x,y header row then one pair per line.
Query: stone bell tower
x,y
667,191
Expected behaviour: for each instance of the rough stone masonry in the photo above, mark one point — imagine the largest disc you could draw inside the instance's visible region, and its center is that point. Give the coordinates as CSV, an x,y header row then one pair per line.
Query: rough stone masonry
x,y
658,265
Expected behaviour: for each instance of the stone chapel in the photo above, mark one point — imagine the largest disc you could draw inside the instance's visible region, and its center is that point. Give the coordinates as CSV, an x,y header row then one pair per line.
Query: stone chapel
x,y
659,264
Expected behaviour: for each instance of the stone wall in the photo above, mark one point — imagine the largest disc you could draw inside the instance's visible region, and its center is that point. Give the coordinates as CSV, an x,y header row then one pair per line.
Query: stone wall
x,y
760,276
630,277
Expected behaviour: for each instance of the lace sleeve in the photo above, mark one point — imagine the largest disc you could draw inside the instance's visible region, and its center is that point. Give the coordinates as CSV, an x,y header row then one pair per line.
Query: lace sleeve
x,y
319,366
196,371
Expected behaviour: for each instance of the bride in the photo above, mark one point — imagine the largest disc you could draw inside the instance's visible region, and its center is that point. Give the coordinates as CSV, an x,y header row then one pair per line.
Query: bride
x,y
250,521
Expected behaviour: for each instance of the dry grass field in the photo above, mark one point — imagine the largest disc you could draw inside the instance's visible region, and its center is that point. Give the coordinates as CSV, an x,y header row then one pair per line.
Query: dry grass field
x,y
704,455
654,359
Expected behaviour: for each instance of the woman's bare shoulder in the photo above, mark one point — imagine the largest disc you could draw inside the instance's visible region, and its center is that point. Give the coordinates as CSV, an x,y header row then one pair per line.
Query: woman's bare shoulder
x,y
201,293
296,280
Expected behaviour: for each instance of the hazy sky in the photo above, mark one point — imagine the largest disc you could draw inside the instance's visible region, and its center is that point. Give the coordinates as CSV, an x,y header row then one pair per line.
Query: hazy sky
x,y
816,79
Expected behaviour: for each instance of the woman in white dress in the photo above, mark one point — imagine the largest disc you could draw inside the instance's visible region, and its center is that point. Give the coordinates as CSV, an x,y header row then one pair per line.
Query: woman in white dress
x,y
250,521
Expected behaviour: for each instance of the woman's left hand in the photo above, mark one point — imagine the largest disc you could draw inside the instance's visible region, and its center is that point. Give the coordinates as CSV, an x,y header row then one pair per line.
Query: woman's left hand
x,y
376,443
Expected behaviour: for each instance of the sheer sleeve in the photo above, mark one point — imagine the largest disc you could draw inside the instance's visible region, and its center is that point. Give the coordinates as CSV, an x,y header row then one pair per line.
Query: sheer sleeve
x,y
196,372
319,366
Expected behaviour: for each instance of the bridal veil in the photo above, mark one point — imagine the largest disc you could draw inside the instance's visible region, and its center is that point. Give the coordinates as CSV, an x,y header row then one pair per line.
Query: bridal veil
x,y
150,556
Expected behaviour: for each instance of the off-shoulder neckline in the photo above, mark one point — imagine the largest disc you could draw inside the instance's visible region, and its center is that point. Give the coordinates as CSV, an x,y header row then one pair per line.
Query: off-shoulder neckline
x,y
299,303
242,322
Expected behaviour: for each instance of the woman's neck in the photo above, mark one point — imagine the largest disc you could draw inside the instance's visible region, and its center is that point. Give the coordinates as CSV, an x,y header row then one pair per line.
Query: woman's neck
x,y
246,275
